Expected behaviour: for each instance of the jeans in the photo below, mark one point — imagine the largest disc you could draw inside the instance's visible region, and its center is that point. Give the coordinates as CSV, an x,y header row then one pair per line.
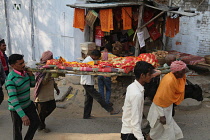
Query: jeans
x,y
105,82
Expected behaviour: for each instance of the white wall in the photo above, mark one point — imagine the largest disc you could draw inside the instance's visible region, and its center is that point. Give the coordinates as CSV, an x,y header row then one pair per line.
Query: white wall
x,y
53,29
3,30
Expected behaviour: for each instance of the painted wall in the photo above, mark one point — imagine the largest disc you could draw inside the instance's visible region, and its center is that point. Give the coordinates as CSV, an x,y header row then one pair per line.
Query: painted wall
x,y
3,31
52,24
194,37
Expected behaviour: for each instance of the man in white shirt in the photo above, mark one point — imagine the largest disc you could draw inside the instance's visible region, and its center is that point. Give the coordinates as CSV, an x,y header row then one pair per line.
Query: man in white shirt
x,y
91,93
134,102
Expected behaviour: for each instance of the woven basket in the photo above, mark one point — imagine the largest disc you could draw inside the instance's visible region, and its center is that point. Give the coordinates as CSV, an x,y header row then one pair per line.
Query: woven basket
x,y
161,61
207,58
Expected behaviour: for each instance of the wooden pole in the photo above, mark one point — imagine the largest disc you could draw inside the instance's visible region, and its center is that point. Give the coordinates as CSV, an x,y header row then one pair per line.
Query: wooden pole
x,y
137,50
108,74
8,27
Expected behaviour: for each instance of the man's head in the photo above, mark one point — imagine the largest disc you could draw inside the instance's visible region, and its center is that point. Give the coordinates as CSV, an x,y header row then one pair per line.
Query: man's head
x,y
2,45
143,71
178,68
108,47
47,55
16,62
95,54
170,58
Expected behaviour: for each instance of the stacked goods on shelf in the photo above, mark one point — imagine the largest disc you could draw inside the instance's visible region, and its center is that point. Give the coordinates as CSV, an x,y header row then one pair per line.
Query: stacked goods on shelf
x,y
160,55
87,48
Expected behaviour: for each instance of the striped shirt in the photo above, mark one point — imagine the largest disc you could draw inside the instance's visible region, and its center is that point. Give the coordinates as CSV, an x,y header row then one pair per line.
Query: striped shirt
x,y
18,88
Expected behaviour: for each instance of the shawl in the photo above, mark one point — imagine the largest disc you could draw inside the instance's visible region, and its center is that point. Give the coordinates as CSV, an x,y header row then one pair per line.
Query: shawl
x,y
39,76
171,90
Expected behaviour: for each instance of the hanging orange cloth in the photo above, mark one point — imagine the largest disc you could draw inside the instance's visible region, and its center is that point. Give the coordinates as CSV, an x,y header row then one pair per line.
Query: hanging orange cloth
x,y
127,18
106,19
79,19
172,26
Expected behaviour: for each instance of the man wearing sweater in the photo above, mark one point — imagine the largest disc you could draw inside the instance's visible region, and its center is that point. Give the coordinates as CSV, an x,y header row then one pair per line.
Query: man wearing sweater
x,y
22,109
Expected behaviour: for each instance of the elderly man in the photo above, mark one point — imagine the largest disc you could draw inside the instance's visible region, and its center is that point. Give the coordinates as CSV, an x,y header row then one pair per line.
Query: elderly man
x,y
44,93
170,90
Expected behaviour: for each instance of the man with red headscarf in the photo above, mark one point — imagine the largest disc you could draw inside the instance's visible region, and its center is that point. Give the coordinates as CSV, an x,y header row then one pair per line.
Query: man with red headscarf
x,y
171,90
44,93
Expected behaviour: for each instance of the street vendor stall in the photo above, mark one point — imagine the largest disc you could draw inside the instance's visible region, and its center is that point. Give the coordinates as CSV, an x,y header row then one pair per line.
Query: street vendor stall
x,y
129,27
132,27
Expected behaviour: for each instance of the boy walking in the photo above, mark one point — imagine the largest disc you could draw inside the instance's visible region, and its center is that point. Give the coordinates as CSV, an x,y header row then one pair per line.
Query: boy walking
x,y
134,102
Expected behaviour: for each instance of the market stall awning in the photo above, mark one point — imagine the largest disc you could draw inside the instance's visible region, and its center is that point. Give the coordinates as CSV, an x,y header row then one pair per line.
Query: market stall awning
x,y
103,5
166,9
117,4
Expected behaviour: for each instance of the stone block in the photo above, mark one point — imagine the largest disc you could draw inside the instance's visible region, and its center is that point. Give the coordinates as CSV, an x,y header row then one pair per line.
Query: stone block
x,y
64,91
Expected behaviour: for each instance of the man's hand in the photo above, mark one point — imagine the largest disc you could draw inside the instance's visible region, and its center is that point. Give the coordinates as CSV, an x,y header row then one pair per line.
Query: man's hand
x,y
25,120
57,91
163,120
28,71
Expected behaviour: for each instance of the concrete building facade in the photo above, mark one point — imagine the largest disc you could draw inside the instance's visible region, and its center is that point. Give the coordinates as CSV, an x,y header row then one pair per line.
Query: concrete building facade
x,y
194,37
32,27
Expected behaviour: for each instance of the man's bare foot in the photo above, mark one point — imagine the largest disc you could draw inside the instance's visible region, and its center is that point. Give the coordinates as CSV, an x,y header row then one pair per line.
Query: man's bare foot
x,y
148,138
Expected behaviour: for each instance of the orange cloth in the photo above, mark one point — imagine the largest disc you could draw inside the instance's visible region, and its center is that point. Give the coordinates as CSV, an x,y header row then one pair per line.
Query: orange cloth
x,y
170,90
79,18
172,26
106,19
127,18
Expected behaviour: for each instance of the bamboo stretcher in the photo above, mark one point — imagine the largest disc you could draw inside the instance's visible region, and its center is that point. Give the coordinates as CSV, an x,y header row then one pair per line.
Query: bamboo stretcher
x,y
108,74
81,72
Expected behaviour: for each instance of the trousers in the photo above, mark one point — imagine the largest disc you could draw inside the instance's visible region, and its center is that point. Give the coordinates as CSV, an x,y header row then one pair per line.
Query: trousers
x,y
1,95
30,111
92,93
128,137
45,109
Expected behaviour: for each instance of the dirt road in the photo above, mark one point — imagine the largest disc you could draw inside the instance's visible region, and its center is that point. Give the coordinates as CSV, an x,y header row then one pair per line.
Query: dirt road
x,y
67,124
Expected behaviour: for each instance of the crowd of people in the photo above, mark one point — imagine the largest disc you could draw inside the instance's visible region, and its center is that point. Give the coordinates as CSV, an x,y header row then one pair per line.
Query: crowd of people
x,y
33,114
